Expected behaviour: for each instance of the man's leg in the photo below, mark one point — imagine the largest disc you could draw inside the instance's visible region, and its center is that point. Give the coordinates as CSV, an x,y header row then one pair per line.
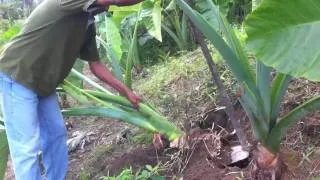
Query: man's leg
x,y
20,113
53,138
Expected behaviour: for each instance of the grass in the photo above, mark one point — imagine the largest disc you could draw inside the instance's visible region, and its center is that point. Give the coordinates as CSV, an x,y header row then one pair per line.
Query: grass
x,y
141,137
189,66
163,74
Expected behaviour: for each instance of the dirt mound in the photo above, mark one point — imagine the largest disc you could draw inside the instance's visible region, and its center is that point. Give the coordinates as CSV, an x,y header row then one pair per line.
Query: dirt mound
x,y
136,159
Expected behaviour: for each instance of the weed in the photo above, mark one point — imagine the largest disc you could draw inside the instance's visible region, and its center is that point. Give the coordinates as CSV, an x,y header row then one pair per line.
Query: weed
x,y
141,137
148,172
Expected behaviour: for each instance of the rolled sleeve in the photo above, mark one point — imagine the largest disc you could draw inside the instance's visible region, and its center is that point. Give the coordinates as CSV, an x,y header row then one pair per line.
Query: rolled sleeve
x,y
75,5
89,52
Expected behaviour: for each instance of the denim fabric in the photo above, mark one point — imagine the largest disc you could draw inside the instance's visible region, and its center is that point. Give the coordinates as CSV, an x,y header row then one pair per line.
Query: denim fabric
x,y
35,131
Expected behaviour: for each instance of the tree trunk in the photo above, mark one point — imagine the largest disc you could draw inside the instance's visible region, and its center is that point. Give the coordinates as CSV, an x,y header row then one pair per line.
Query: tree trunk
x,y
268,166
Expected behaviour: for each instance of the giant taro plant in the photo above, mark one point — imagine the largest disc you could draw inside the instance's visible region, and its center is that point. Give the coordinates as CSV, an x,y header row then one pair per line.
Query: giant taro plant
x,y
282,35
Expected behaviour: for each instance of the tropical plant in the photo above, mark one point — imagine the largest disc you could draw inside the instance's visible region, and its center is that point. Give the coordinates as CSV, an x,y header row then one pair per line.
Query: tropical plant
x,y
119,35
176,26
261,96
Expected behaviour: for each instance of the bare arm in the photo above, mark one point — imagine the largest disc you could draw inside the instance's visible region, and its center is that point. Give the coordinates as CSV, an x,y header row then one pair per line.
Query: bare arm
x,y
102,72
118,2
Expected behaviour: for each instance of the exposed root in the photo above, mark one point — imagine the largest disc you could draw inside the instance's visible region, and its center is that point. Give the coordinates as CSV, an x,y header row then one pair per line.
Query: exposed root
x,y
268,165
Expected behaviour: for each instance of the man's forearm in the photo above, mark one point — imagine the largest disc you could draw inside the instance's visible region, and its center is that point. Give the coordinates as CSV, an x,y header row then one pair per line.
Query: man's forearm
x,y
118,2
103,73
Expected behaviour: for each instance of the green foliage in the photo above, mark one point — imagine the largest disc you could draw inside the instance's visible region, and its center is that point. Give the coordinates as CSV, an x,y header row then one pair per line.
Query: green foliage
x,y
117,107
141,137
224,5
4,152
238,10
289,43
118,34
176,26
10,33
260,98
148,173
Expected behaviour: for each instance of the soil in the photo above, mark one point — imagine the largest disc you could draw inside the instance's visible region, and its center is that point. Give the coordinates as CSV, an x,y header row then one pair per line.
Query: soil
x,y
107,148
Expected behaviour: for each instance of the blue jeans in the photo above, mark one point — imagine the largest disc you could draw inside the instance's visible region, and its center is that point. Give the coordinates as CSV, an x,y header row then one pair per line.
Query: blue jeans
x,y
35,131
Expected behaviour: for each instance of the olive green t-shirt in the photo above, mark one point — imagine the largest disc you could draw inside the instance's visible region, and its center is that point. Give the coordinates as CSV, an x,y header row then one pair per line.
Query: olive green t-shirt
x,y
52,38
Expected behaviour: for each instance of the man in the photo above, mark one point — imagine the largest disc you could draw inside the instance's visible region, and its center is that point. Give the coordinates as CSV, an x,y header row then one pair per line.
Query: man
x,y
31,66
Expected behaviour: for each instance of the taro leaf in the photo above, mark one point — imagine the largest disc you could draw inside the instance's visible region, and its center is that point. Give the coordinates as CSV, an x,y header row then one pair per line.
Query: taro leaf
x,y
210,12
285,35
154,27
151,16
113,37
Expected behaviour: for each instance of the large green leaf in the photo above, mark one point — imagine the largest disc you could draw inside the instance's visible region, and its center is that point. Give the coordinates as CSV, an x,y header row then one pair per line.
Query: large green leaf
x,y
152,18
210,12
4,153
285,35
113,37
150,15
280,129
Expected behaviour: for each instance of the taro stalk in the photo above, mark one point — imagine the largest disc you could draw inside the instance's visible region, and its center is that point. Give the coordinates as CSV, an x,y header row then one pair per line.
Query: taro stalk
x,y
282,35
117,107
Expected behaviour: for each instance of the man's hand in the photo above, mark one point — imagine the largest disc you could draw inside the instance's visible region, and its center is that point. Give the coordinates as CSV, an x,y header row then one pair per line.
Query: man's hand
x,y
117,2
134,99
101,71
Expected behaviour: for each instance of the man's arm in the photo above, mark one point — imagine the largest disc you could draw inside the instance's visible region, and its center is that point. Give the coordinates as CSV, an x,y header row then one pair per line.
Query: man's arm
x,y
102,72
117,2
